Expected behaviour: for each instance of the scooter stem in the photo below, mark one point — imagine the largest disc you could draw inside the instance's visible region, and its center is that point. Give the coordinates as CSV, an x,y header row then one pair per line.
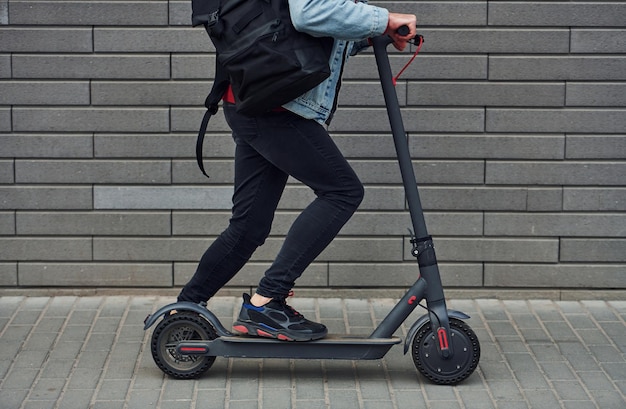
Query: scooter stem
x,y
424,250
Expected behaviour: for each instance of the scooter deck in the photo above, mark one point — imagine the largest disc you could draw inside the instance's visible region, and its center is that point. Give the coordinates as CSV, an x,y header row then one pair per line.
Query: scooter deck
x,y
333,346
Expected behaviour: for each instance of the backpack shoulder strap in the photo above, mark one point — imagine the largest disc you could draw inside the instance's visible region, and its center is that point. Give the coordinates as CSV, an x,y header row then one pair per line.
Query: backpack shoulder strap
x,y
220,85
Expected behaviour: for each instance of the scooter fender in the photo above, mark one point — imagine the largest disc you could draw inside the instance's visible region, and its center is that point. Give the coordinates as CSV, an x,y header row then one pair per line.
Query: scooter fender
x,y
424,319
187,306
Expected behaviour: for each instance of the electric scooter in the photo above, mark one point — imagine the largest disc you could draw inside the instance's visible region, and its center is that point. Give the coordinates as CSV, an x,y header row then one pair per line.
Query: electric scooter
x,y
444,349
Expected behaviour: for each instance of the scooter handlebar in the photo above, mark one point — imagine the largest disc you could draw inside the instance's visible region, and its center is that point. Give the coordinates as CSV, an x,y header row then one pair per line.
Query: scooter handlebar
x,y
403,30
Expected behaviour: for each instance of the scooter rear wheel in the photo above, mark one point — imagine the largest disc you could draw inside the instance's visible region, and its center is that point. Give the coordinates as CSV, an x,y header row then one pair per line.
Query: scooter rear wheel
x,y
446,371
176,328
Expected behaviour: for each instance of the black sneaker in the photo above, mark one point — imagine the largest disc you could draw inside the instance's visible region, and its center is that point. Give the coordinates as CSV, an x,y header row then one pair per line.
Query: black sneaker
x,y
277,320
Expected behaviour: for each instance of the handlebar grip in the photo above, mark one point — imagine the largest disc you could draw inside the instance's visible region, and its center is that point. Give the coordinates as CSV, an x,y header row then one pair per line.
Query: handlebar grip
x,y
403,30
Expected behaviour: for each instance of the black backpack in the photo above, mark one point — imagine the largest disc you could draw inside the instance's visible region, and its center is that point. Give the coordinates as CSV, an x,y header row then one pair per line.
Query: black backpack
x,y
260,54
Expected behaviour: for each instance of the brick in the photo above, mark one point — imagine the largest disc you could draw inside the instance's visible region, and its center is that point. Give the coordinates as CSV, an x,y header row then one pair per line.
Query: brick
x,y
544,199
487,94
5,66
179,13
96,66
419,120
166,39
163,145
400,275
189,119
537,13
5,119
553,275
361,249
46,145
94,223
95,275
434,13
366,94
426,67
45,197
494,40
7,172
93,171
593,250
473,198
7,223
4,12
468,146
596,94
365,145
46,40
8,274
316,275
594,199
149,93
37,249
549,120
89,13
497,250
193,66
165,197
555,173
91,119
601,68
554,224
44,93
441,172
439,223
595,146
598,40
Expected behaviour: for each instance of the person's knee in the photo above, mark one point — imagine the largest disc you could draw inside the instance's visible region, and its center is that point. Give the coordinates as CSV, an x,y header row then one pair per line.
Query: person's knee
x,y
357,195
247,232
352,195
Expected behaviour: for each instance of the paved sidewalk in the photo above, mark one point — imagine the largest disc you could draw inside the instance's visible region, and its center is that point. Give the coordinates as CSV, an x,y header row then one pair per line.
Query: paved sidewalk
x,y
91,352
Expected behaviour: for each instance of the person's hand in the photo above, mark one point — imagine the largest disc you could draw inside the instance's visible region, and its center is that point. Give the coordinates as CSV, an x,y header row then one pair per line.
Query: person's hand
x,y
397,20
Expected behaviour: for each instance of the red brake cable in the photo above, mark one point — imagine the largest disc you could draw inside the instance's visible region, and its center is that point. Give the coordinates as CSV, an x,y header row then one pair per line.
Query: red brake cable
x,y
419,47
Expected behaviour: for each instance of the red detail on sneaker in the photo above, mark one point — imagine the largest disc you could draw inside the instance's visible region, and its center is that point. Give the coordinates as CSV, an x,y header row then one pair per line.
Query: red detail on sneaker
x,y
241,328
262,333
412,300
284,337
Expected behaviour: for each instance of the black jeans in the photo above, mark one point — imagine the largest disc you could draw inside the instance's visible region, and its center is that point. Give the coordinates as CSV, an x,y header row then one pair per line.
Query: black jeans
x,y
270,148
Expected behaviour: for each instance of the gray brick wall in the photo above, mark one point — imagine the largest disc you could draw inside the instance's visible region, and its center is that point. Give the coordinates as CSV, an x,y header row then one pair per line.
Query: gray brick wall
x,y
516,113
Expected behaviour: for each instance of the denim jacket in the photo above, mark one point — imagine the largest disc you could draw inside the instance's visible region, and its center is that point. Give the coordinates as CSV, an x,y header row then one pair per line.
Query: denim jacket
x,y
344,20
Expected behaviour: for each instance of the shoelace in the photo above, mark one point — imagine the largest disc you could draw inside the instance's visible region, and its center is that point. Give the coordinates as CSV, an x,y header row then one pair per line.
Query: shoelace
x,y
289,309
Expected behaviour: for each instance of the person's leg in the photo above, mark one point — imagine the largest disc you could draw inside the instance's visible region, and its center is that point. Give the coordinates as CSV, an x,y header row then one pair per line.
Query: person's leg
x,y
258,188
308,153
303,149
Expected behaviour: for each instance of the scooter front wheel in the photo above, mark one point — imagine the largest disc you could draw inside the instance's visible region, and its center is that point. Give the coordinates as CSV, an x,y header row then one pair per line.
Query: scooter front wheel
x,y
176,328
452,370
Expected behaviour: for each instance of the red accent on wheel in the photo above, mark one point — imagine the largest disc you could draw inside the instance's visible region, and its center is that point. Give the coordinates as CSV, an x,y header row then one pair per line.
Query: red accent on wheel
x,y
443,339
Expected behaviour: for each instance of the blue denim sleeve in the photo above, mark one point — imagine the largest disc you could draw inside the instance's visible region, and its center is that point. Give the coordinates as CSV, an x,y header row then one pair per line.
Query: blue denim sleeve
x,y
341,19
